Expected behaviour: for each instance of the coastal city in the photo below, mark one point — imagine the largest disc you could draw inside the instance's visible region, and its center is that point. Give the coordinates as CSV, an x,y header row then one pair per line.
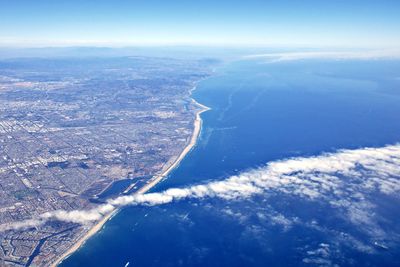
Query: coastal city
x,y
76,132
258,133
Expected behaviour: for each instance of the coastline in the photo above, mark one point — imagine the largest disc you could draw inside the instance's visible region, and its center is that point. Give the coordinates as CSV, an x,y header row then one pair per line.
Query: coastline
x,y
197,124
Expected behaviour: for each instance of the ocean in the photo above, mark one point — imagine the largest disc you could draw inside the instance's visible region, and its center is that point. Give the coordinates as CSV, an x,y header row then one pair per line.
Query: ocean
x,y
264,112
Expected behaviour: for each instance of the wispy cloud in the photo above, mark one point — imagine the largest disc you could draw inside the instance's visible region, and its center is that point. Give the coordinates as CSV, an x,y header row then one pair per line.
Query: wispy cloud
x,y
338,55
342,179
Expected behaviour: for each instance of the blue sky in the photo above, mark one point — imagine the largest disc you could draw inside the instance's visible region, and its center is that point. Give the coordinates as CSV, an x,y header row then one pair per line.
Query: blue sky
x,y
169,22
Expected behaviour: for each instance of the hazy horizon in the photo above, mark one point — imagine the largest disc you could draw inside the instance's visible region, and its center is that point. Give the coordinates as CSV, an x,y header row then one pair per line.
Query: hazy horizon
x,y
311,23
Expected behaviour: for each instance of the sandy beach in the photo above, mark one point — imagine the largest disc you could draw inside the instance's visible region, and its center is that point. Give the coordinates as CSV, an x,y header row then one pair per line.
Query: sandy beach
x,y
156,179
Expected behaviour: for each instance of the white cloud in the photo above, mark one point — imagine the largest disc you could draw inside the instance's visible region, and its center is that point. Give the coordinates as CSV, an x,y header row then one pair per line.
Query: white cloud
x,y
338,55
342,179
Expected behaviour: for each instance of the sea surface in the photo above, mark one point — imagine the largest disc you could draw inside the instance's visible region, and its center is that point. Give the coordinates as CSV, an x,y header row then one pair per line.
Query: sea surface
x,y
263,112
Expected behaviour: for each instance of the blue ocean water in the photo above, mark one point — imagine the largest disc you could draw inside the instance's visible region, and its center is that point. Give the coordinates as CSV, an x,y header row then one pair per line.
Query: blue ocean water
x,y
263,112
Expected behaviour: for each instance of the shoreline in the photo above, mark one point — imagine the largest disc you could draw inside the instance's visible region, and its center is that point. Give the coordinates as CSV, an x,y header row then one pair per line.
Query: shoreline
x,y
197,125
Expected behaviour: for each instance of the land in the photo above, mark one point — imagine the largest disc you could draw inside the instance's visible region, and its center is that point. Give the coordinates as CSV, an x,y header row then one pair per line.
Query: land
x,y
155,180
75,132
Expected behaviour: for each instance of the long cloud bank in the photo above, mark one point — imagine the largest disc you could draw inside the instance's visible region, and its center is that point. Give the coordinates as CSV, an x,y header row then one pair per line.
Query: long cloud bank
x,y
341,55
368,169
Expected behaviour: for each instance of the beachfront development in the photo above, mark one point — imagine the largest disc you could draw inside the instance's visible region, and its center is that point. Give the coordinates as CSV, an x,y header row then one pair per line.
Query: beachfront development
x,y
74,133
